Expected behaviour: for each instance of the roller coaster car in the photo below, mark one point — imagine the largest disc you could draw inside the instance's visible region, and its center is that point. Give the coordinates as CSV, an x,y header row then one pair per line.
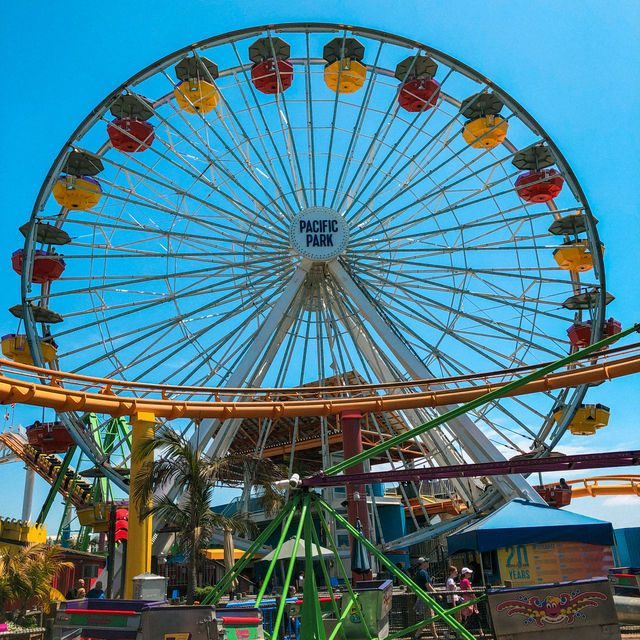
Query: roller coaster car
x,y
49,437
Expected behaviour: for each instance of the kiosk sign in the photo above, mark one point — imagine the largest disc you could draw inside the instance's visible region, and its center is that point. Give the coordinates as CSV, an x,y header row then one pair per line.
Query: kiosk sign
x,y
319,233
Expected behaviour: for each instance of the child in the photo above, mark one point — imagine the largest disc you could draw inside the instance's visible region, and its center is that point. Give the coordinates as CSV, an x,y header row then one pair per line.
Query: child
x,y
467,596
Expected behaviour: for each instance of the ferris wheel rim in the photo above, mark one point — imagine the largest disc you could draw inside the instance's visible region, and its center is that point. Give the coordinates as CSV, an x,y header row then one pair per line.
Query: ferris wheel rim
x,y
328,27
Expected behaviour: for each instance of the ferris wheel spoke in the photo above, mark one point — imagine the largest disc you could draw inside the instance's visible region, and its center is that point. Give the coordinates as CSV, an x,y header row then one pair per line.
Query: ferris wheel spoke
x,y
348,156
310,126
248,138
290,143
156,178
377,140
208,155
444,185
493,326
465,202
431,214
409,185
449,270
178,344
173,211
243,162
423,276
269,134
147,306
496,218
220,270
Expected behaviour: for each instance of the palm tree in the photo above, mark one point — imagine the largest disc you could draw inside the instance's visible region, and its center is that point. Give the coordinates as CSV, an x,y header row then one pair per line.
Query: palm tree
x,y
27,574
195,476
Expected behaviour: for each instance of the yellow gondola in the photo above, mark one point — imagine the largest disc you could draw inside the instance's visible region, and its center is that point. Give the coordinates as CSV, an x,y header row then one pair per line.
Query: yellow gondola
x,y
77,193
587,419
350,73
196,96
485,133
16,348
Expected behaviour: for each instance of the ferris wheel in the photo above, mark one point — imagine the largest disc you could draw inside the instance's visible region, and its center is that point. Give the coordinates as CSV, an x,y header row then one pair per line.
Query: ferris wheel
x,y
314,204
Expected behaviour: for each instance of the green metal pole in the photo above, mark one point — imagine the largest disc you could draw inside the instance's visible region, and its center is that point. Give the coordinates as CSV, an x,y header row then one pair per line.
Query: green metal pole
x,y
347,581
312,626
287,581
327,579
228,578
341,619
442,613
423,623
473,404
275,561
48,503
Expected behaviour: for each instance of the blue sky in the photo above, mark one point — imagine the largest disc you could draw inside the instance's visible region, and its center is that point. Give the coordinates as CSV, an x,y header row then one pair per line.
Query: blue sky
x,y
573,65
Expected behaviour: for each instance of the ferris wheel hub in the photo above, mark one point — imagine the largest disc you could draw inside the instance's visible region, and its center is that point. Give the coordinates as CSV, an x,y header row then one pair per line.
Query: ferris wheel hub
x,y
319,233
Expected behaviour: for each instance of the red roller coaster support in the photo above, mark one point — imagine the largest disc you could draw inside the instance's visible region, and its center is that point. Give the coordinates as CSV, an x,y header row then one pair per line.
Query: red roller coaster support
x,y
356,493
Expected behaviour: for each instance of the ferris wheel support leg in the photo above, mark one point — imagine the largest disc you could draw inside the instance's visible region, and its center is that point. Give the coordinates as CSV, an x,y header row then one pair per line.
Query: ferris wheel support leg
x,y
27,499
139,533
476,444
266,341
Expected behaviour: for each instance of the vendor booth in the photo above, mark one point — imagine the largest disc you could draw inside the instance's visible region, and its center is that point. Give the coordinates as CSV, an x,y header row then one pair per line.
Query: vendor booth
x,y
524,543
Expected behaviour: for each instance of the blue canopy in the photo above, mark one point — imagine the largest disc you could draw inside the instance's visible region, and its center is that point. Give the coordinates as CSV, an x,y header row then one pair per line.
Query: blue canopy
x,y
521,522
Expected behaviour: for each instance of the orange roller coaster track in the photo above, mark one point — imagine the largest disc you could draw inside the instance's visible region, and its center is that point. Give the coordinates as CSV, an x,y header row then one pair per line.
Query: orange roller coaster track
x,y
72,392
612,485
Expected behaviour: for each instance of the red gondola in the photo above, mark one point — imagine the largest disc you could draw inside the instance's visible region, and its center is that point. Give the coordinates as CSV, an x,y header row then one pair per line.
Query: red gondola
x,y
130,135
49,437
539,186
419,94
580,332
47,265
264,75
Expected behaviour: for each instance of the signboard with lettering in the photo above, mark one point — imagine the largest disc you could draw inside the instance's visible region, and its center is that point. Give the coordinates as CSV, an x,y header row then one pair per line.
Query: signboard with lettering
x,y
541,563
319,233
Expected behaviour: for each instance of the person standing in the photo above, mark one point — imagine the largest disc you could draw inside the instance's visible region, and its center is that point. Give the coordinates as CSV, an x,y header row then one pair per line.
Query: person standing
x,y
72,594
452,587
467,595
96,592
423,580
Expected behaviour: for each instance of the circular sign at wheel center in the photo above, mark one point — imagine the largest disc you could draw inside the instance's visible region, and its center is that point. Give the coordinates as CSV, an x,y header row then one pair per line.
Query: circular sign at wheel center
x,y
319,233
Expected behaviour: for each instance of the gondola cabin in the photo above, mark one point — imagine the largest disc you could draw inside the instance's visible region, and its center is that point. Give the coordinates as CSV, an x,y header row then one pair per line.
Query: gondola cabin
x,y
419,94
587,419
485,133
130,135
539,186
81,193
16,347
47,265
49,437
580,332
574,256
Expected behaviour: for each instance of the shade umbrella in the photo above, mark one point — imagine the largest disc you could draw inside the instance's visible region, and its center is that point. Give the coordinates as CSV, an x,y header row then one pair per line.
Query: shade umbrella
x,y
361,562
229,559
286,551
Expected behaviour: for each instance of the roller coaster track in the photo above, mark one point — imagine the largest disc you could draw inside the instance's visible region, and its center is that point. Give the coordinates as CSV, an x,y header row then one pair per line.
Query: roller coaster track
x,y
623,484
47,466
73,392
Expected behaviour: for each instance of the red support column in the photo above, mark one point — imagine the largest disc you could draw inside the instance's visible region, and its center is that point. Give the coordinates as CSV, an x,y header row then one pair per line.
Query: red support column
x,y
356,494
